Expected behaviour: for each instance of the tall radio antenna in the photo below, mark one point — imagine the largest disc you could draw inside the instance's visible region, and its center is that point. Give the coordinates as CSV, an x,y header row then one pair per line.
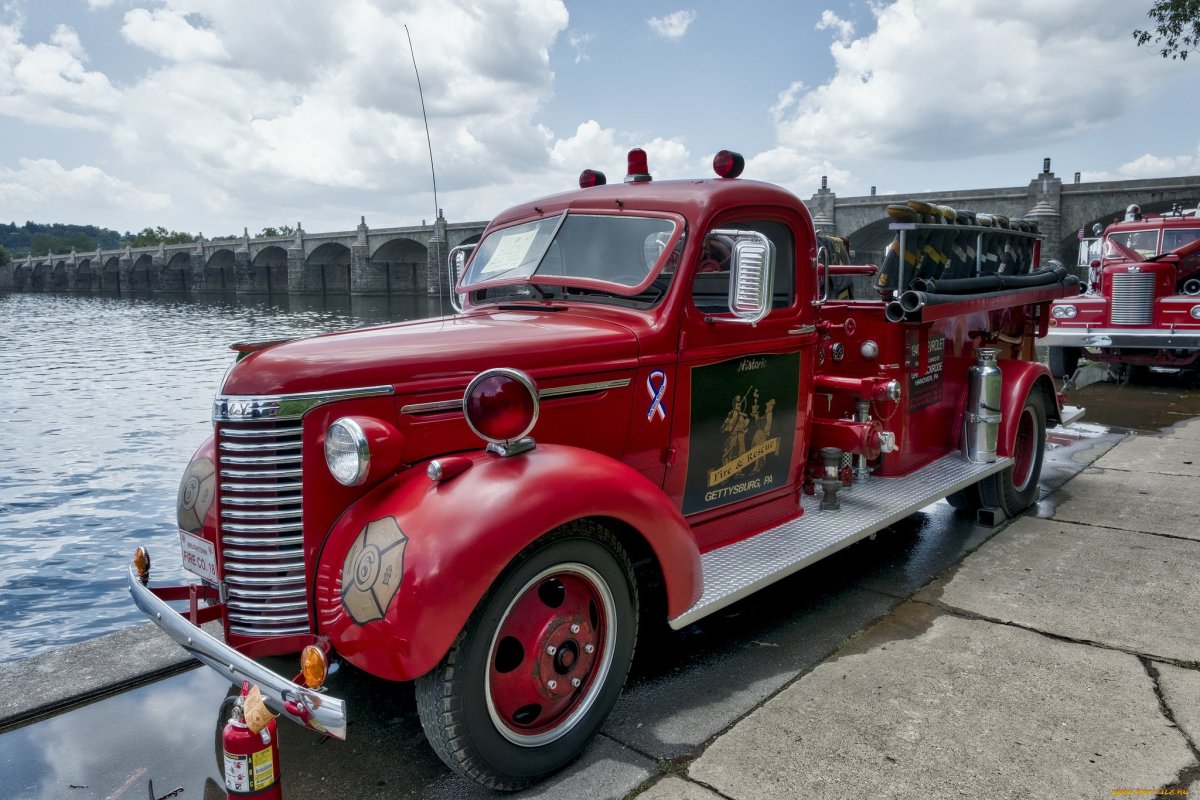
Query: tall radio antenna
x,y
432,173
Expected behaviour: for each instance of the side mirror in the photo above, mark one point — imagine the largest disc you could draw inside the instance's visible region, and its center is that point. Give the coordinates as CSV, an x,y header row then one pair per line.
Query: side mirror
x,y
751,275
456,264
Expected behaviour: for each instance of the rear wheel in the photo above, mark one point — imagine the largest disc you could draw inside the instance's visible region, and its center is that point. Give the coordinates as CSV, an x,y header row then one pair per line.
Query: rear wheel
x,y
1014,489
539,665
1063,361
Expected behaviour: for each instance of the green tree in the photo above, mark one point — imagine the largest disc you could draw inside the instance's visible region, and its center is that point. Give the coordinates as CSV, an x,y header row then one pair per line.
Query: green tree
x,y
1176,28
148,237
282,230
5,258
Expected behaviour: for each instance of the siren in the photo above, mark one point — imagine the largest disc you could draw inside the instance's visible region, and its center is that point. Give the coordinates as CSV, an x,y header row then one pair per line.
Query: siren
x,y
728,164
637,171
590,177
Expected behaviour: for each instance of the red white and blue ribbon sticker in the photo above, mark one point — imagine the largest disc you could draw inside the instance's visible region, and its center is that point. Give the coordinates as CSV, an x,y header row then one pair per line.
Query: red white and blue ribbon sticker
x,y
656,387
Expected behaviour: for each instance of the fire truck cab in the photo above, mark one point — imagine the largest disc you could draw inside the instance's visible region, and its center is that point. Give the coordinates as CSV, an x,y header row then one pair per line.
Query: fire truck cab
x,y
649,405
1141,302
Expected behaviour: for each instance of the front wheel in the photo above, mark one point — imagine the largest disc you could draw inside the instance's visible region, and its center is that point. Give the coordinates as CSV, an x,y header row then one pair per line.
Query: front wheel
x,y
1063,361
1013,490
539,665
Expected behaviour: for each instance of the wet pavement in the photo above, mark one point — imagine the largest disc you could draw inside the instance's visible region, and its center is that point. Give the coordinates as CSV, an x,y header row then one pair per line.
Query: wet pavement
x,y
688,689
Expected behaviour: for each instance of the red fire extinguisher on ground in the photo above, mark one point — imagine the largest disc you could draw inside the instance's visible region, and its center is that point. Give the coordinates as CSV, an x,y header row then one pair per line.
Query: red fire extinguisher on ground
x,y
251,749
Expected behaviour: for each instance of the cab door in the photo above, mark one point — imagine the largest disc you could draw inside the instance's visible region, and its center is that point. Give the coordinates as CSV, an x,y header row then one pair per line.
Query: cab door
x,y
744,390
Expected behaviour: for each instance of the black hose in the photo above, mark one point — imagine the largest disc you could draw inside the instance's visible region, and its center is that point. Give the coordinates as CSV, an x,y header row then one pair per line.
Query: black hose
x,y
986,283
913,301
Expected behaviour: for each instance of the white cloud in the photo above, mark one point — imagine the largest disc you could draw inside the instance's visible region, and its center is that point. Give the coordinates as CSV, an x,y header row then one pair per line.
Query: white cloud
x,y
1150,166
939,80
672,26
578,41
606,150
169,34
97,4
843,28
48,82
45,187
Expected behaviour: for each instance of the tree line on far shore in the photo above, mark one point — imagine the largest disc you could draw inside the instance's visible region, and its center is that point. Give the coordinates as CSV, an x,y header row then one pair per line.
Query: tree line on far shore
x,y
38,239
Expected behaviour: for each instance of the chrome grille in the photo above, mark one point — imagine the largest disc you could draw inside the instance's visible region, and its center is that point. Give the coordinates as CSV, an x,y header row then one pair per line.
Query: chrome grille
x,y
1133,298
262,540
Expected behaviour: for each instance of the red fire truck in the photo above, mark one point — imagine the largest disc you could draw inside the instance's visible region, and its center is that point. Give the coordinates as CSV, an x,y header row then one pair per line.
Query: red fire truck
x,y
1141,305
649,405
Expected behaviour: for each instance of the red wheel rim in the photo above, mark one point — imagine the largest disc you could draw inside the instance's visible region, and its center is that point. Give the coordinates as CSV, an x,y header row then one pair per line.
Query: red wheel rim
x,y
550,655
1024,450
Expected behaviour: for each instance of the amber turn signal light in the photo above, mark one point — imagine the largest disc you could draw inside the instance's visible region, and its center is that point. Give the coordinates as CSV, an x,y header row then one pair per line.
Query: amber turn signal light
x,y
313,666
141,562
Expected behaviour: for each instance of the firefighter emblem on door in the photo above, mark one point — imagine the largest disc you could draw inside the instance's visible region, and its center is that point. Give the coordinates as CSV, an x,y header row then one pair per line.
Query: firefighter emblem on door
x,y
743,427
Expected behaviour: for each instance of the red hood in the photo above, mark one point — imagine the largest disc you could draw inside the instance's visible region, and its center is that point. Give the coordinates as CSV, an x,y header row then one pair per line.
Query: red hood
x,y
441,351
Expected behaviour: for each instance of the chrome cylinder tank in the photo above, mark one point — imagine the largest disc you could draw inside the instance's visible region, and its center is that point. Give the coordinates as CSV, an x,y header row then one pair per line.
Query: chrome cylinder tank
x,y
981,422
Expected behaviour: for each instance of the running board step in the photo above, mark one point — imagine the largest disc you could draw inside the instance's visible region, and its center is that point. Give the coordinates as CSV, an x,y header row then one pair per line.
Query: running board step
x,y
742,568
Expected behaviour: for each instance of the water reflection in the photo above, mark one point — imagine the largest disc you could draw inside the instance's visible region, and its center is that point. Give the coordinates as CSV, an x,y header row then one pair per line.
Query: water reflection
x,y
102,402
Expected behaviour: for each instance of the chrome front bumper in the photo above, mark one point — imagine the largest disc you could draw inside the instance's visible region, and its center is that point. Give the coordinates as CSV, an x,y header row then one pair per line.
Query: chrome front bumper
x,y
313,710
1116,337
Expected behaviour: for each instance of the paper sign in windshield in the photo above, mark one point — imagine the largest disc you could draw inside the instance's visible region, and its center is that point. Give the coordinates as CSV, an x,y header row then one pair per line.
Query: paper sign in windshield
x,y
510,253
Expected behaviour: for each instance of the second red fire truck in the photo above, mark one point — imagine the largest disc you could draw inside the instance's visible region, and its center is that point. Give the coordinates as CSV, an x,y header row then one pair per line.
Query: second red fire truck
x,y
650,405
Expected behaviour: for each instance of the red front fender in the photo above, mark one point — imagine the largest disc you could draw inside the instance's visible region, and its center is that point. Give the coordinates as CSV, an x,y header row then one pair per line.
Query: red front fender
x,y
1019,378
402,570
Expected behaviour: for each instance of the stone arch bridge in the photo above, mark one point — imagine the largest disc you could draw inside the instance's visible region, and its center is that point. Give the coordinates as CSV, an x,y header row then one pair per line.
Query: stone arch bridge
x,y
1061,209
363,261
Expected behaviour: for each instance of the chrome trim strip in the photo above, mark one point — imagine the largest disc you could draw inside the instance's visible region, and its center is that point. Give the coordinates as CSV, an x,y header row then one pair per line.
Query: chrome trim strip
x,y
243,606
241,408
243,447
252,473
1110,337
250,433
557,391
255,580
261,488
236,461
247,630
251,527
249,541
252,594
281,500
275,566
281,513
326,714
258,555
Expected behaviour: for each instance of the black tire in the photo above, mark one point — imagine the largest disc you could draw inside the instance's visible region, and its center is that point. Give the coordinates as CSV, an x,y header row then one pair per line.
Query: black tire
x,y
1063,361
967,500
1014,489
575,587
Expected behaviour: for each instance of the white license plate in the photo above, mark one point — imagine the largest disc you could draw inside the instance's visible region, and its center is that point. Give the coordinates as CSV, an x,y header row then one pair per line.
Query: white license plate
x,y
199,556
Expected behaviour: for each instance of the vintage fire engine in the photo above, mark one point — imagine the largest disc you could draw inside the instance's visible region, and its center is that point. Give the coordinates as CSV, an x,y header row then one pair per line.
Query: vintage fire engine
x,y
1141,305
649,405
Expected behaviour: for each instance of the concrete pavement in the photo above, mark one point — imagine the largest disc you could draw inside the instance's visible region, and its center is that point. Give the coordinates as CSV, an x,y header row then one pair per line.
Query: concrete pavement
x,y
1060,659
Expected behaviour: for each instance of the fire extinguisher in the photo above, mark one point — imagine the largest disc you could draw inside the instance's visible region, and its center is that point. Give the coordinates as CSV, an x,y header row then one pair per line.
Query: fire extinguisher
x,y
251,749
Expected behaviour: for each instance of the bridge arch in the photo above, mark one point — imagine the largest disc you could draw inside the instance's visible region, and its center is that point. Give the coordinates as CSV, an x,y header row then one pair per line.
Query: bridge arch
x,y
176,275
269,270
328,269
22,277
59,281
83,276
141,278
405,264
219,272
110,275
40,278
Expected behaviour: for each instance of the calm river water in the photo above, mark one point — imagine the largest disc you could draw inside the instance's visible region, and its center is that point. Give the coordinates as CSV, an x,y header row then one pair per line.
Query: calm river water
x,y
102,402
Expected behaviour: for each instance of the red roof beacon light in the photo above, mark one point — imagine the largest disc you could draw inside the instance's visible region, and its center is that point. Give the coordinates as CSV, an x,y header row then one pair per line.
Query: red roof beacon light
x,y
501,406
728,164
637,172
590,177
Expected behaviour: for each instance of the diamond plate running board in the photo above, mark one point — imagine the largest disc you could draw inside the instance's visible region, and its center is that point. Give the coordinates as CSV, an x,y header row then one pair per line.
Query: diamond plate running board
x,y
742,568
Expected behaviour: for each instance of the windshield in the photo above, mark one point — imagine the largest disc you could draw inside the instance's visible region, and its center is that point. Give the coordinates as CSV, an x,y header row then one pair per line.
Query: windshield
x,y
594,253
1144,243
1175,239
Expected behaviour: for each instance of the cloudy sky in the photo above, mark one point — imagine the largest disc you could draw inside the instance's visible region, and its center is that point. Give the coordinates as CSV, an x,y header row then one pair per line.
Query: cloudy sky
x,y
214,115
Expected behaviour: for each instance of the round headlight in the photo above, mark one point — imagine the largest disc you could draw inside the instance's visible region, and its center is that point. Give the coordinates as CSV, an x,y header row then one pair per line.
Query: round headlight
x,y
1195,312
1064,312
501,405
347,453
